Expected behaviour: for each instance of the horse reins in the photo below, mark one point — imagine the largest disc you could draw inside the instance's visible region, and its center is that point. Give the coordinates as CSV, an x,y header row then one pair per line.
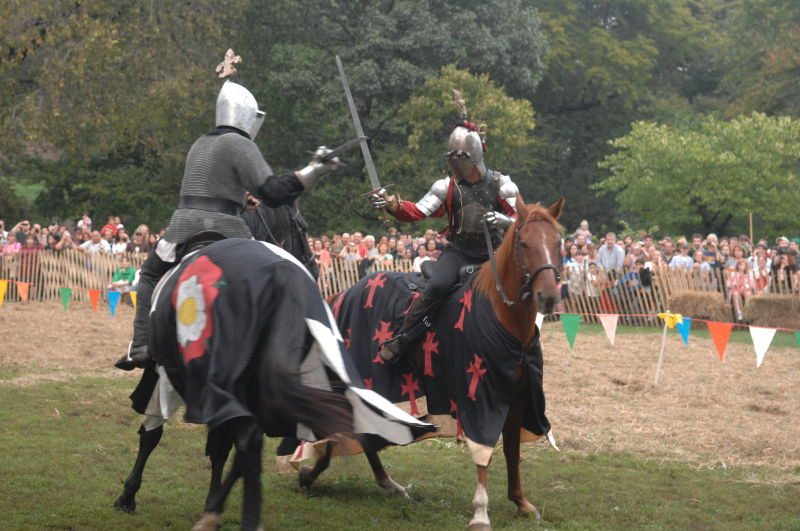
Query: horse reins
x,y
526,289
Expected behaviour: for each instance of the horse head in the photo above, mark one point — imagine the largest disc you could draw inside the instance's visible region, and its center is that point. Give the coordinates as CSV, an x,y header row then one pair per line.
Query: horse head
x,y
537,250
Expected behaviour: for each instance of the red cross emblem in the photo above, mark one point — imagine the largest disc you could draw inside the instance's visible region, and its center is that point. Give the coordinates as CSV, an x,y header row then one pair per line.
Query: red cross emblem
x,y
454,412
378,281
382,334
430,347
477,373
466,306
410,388
368,383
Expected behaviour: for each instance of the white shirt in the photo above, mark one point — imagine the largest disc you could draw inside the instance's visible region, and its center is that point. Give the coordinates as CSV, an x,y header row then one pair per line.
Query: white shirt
x,y
92,247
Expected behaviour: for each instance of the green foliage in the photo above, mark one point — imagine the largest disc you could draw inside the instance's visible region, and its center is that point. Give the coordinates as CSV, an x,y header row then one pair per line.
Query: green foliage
x,y
709,175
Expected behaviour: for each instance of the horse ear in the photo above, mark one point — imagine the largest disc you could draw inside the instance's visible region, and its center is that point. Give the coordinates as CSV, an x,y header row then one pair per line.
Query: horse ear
x,y
556,208
522,210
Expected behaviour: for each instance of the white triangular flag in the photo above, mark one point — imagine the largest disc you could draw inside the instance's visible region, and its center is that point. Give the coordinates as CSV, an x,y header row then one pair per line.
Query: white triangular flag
x,y
539,320
609,322
762,338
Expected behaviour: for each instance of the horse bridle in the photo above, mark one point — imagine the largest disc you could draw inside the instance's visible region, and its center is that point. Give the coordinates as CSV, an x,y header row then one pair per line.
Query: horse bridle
x,y
528,277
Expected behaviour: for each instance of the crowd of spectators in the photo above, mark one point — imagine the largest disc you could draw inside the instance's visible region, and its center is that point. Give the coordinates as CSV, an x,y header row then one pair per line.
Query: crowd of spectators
x,y
590,262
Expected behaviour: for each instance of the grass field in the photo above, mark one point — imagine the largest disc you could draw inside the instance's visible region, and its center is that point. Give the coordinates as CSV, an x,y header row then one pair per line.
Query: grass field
x,y
715,446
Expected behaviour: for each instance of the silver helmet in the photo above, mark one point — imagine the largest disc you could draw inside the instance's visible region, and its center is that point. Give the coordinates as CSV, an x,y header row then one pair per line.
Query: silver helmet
x,y
465,152
237,107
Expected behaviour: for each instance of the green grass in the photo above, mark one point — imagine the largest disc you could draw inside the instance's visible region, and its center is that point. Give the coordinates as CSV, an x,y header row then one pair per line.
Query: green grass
x,y
738,335
65,449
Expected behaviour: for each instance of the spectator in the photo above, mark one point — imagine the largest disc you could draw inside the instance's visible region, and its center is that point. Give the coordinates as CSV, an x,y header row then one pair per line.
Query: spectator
x,y
738,254
370,251
384,257
635,253
337,245
433,250
153,240
138,243
3,233
66,242
783,273
583,230
12,246
682,260
697,243
322,257
111,225
571,254
96,244
759,275
711,253
422,256
52,240
121,244
739,287
351,253
123,276
611,256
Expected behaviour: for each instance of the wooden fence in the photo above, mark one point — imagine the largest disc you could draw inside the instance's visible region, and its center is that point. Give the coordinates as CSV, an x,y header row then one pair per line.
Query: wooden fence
x,y
583,292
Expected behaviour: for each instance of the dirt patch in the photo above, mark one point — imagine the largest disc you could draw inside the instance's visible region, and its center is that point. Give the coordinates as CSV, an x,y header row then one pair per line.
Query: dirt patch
x,y
599,398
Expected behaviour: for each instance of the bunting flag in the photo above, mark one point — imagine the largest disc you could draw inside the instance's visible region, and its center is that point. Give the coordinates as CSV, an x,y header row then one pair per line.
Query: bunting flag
x,y
609,322
762,338
796,334
113,300
570,322
22,289
539,320
684,328
671,319
94,297
133,295
3,288
66,295
720,333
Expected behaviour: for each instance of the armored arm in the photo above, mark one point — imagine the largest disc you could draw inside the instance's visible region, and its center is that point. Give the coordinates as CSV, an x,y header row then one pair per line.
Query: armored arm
x,y
430,204
508,195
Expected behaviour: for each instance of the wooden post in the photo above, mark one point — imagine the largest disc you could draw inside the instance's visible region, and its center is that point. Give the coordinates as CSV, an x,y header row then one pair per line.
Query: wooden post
x,y
663,344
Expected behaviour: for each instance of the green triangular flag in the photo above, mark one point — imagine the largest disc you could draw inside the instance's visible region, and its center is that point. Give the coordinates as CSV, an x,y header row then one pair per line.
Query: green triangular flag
x,y
797,337
570,321
66,295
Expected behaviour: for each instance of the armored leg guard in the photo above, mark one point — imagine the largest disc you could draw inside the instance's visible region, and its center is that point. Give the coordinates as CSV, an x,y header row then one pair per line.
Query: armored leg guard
x,y
138,355
417,321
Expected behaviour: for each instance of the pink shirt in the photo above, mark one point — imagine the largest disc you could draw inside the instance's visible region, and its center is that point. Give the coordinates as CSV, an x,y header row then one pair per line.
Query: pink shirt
x,y
11,248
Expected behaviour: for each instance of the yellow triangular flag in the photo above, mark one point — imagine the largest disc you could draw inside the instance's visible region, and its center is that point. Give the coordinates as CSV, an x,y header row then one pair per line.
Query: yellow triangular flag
x,y
133,298
671,319
3,287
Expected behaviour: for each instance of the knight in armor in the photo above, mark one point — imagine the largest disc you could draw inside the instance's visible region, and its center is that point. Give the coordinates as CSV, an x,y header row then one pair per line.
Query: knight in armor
x,y
471,196
221,167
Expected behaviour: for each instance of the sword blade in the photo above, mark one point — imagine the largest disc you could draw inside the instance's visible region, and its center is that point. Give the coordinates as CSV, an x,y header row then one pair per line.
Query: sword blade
x,y
347,146
373,175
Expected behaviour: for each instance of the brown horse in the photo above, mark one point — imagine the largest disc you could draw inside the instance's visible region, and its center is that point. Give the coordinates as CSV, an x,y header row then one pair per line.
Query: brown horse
x,y
526,279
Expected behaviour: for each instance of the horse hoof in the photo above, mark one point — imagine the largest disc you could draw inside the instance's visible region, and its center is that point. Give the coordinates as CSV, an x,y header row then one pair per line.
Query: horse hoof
x,y
527,510
121,504
305,477
207,522
393,488
479,526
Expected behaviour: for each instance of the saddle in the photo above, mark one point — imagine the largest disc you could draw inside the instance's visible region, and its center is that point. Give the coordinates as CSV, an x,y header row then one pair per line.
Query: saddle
x,y
464,272
197,241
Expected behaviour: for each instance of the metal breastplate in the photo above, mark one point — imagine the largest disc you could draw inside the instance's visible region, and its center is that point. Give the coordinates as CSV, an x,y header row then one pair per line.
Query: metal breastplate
x,y
470,203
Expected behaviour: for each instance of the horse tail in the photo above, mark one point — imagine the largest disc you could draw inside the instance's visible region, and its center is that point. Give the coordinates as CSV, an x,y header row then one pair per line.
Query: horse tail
x,y
325,412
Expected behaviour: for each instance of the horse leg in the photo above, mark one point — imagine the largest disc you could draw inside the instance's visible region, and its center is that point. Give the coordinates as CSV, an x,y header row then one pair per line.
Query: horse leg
x,y
218,447
149,437
511,431
307,476
480,502
249,441
382,478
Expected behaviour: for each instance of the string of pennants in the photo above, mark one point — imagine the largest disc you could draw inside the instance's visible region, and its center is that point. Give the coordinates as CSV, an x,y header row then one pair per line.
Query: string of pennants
x,y
720,332
113,297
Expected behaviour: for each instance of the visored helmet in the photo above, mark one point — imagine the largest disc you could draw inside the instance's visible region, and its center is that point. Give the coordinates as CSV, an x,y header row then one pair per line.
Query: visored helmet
x,y
465,146
237,107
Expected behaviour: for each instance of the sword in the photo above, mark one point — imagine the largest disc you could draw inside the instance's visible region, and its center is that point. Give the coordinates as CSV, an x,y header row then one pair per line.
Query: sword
x,y
373,175
347,146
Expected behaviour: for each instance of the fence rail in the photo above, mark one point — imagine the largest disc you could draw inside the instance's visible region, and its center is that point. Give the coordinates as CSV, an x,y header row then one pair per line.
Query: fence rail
x,y
583,291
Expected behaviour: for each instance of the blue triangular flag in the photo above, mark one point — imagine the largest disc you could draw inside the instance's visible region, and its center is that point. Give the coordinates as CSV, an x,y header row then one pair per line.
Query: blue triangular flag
x,y
684,328
113,300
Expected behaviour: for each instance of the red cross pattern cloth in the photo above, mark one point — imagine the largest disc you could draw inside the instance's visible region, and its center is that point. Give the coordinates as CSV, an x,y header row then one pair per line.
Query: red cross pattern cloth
x,y
468,364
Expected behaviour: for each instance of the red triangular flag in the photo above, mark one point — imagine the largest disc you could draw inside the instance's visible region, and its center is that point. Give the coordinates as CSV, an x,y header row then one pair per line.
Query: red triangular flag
x,y
720,333
22,289
94,297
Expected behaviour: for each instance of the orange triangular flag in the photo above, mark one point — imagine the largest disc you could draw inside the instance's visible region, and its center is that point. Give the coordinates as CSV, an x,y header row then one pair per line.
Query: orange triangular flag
x,y
133,298
94,297
22,289
720,333
3,287
609,322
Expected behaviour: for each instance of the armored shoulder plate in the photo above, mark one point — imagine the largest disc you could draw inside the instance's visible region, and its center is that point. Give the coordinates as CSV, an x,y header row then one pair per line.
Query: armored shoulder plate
x,y
435,197
508,189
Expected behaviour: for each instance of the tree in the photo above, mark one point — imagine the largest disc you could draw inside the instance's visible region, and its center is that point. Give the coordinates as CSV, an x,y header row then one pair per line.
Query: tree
x,y
708,175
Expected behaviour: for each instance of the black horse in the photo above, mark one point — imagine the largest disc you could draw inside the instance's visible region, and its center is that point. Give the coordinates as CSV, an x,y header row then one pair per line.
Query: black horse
x,y
283,226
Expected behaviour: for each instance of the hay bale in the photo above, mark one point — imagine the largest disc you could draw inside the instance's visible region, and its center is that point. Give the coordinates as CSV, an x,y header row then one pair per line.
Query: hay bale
x,y
774,310
708,305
